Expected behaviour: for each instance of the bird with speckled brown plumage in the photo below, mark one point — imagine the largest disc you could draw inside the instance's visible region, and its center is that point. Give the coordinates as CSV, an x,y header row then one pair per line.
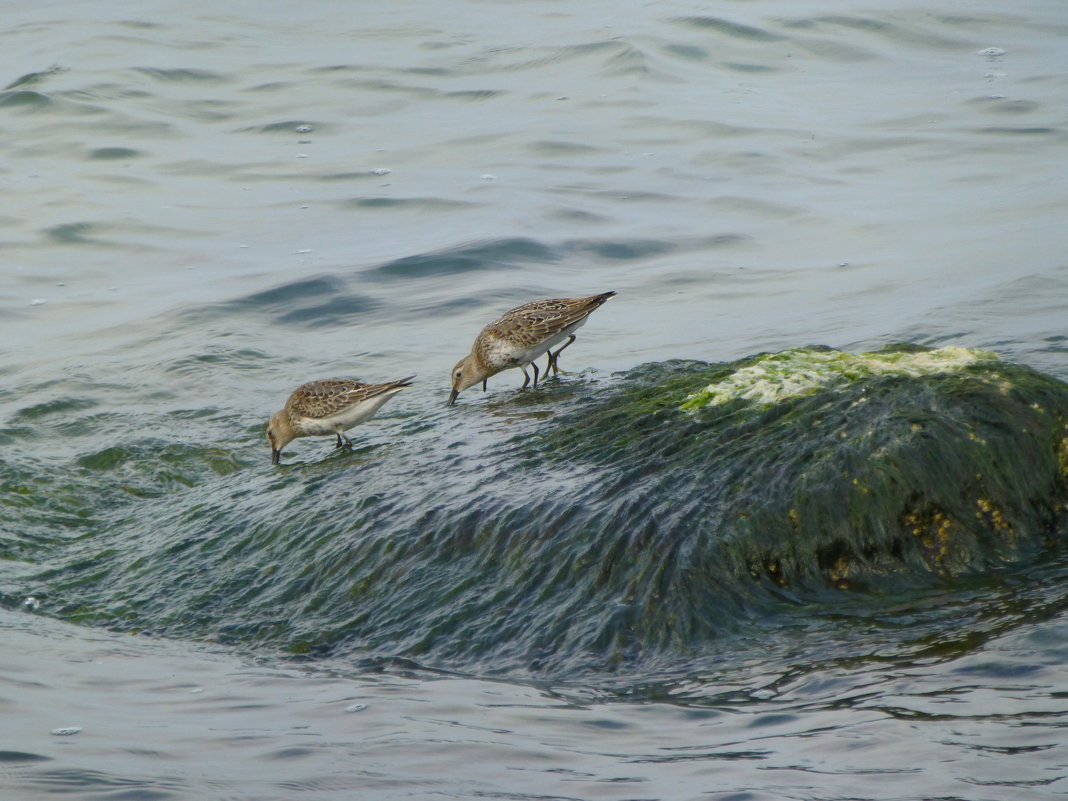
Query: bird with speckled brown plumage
x,y
522,335
330,406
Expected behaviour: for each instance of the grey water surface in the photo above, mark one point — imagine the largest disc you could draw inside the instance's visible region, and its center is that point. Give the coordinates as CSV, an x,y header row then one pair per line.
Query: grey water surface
x,y
206,204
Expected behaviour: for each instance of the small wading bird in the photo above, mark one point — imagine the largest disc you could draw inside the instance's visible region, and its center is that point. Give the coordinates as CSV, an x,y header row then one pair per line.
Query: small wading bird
x,y
331,406
522,335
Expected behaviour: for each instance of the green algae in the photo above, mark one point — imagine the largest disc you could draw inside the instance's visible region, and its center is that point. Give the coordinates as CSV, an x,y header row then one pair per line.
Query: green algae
x,y
774,377
587,526
815,464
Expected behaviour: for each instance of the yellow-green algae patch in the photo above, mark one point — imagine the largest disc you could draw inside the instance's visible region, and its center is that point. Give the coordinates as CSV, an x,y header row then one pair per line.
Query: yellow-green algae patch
x,y
774,377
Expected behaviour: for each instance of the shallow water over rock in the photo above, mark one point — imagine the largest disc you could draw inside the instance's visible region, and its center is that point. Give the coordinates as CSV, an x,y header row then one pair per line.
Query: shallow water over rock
x,y
585,525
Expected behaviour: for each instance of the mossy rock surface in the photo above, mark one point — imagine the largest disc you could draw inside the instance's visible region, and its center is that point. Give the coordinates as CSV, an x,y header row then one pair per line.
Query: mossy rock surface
x,y
584,525
815,463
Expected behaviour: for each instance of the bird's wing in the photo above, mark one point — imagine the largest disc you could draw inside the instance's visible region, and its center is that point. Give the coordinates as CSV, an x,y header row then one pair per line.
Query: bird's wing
x,y
332,395
540,319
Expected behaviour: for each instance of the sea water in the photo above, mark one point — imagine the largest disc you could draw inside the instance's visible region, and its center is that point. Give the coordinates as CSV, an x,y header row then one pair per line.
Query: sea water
x,y
207,204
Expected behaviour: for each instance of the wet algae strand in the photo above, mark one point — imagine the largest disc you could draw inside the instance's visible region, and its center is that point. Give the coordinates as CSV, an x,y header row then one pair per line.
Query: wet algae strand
x,y
624,524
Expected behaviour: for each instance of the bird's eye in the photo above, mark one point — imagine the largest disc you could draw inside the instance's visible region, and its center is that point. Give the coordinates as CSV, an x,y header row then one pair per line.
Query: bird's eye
x,y
459,373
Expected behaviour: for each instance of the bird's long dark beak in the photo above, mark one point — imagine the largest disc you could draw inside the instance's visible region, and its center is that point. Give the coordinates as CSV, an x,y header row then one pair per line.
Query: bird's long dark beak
x,y
276,456
452,397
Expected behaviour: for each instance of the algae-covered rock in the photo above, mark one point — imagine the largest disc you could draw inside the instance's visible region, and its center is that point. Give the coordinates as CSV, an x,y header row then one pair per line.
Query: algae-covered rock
x,y
815,463
587,524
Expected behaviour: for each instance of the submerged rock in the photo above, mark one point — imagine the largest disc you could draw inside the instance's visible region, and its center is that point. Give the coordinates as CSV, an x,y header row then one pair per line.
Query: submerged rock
x,y
588,525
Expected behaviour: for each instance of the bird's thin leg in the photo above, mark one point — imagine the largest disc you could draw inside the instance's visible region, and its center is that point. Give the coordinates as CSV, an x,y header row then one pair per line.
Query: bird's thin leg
x,y
526,380
534,367
340,437
338,441
554,357
484,380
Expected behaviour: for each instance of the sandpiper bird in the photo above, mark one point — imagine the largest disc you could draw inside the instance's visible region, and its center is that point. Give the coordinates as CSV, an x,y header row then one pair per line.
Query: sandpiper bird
x,y
522,335
330,406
